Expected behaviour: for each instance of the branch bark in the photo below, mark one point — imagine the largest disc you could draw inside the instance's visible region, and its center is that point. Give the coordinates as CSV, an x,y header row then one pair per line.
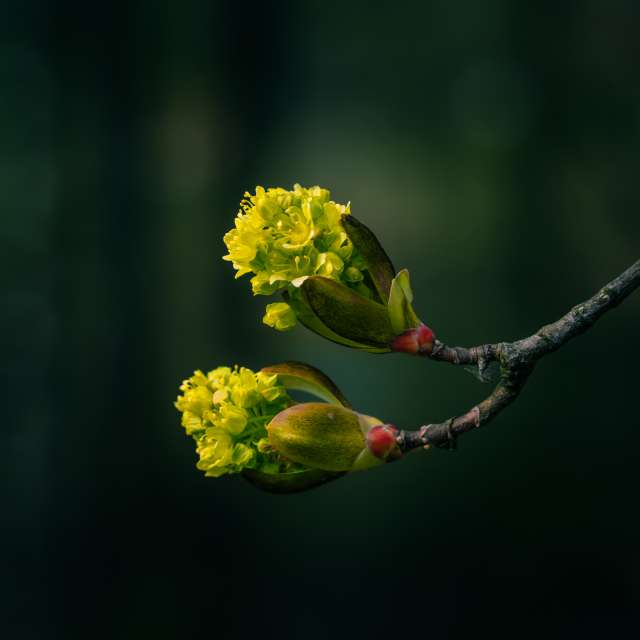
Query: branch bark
x,y
517,360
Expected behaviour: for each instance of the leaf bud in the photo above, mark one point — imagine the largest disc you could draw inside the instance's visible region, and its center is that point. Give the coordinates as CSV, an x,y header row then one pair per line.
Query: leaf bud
x,y
382,442
416,341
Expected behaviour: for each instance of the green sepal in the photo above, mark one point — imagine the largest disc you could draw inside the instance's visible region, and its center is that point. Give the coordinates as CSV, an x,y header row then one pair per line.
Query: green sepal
x,y
348,314
303,377
378,263
308,318
401,313
366,459
290,482
318,435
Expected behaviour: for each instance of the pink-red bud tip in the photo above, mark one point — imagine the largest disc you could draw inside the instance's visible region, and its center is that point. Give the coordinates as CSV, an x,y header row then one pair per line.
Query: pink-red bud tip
x,y
417,341
381,441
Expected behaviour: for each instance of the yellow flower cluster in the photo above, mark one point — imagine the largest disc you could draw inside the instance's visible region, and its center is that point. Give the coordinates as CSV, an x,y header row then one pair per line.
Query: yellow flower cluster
x,y
283,237
226,411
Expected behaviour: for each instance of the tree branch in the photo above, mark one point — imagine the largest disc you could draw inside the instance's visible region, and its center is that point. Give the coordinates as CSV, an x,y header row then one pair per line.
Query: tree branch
x,y
517,360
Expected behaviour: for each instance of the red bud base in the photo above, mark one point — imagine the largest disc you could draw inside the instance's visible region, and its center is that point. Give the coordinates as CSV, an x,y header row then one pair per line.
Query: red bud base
x,y
381,441
416,341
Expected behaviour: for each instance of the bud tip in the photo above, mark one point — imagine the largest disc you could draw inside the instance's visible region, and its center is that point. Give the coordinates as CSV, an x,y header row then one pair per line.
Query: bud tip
x,y
417,341
381,441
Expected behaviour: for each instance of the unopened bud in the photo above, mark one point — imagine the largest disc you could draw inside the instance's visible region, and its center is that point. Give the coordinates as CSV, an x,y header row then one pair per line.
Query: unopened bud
x,y
416,341
318,435
382,442
280,316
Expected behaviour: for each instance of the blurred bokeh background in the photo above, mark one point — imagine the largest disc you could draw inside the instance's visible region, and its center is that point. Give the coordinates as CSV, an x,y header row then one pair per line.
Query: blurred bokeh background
x,y
493,147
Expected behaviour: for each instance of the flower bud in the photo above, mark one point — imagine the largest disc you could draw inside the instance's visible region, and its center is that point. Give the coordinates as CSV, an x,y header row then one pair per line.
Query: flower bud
x,y
353,274
280,315
414,341
318,435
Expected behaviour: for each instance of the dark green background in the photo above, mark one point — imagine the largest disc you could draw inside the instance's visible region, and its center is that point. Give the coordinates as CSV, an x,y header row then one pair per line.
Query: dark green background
x,y
493,147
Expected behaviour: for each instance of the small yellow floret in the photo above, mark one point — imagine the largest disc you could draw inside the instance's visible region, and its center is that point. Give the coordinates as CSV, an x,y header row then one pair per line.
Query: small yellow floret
x,y
280,316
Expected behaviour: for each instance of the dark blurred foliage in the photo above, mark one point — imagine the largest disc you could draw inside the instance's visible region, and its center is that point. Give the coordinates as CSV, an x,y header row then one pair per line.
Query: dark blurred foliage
x,y
493,146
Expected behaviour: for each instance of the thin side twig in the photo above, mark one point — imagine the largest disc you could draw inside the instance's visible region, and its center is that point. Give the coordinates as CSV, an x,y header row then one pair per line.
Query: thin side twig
x,y
517,360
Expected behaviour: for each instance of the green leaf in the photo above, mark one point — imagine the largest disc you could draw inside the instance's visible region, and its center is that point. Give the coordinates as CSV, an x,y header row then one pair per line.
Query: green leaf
x,y
378,263
401,313
304,377
348,314
308,318
290,482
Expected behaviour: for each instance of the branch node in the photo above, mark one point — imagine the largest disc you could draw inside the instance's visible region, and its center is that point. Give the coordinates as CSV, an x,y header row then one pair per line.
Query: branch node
x,y
437,348
517,360
449,443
